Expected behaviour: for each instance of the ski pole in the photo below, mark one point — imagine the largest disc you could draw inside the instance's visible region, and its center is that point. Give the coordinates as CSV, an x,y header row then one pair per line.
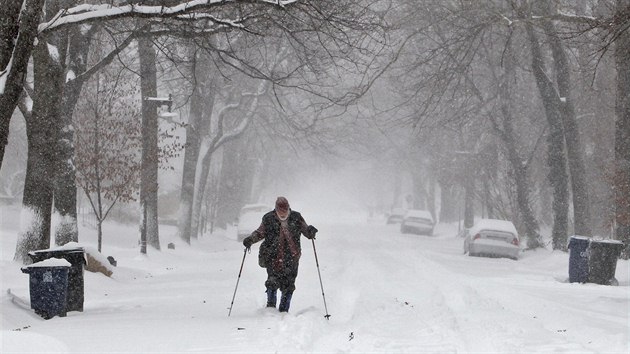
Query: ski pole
x,y
327,316
237,280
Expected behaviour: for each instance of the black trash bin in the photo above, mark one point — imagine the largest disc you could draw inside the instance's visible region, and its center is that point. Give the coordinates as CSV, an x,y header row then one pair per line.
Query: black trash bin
x,y
48,286
76,257
602,263
578,259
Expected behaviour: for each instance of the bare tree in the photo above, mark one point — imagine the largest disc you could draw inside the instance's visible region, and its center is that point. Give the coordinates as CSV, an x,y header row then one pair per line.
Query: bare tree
x,y
108,144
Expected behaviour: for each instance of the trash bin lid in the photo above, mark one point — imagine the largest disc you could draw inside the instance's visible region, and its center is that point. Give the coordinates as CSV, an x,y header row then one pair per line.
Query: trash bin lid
x,y
582,238
50,262
60,249
612,242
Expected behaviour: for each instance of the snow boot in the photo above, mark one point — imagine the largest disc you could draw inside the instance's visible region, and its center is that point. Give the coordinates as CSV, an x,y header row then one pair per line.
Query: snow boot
x,y
271,297
285,302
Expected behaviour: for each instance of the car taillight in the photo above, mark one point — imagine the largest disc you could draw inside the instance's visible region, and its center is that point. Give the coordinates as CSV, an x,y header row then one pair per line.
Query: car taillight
x,y
476,236
515,241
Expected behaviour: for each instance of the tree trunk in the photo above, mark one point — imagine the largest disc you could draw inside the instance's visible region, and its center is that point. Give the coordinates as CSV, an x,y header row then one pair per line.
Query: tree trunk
x,y
99,228
522,183
419,192
18,55
622,137
431,197
200,190
201,106
9,27
191,155
37,197
518,165
218,140
448,202
556,160
149,174
65,190
43,130
469,202
575,158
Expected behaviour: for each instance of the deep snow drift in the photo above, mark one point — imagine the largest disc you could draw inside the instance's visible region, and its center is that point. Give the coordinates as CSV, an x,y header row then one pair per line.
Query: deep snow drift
x,y
385,291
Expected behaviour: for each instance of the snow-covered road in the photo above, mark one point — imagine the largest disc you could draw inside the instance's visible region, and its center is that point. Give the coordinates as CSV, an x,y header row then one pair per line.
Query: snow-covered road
x,y
385,291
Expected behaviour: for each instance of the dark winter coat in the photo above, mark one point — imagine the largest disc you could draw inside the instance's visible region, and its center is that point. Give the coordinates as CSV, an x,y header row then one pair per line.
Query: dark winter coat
x,y
269,231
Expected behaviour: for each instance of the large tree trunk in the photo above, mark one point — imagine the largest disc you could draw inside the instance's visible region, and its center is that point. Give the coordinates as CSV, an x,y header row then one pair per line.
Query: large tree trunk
x,y
575,158
518,165
201,106
149,174
191,155
43,128
522,183
65,189
38,194
15,49
9,27
622,137
556,160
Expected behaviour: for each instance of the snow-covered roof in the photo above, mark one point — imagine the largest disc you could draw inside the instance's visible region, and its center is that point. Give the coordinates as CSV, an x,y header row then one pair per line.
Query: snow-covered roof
x,y
493,224
417,213
399,211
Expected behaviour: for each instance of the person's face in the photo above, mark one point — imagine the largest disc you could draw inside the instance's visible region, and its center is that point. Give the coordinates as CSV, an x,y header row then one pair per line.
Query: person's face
x,y
282,214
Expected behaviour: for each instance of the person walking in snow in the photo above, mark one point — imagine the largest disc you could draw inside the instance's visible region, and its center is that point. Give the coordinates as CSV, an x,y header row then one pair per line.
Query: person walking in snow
x,y
280,251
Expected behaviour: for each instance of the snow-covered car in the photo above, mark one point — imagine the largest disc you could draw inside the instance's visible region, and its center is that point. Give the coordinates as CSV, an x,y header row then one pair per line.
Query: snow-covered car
x,y
249,218
396,216
492,238
418,222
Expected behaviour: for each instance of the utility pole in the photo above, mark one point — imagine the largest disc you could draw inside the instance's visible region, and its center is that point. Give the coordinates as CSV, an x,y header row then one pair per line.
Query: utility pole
x,y
149,175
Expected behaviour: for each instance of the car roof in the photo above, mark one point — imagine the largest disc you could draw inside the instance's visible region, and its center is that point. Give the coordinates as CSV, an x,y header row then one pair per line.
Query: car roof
x,y
493,224
418,213
398,211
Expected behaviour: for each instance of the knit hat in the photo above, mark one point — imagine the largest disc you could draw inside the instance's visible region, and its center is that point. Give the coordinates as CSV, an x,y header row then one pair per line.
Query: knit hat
x,y
282,204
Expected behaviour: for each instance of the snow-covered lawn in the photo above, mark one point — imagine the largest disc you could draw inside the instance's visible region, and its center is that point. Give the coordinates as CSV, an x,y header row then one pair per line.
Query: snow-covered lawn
x,y
385,292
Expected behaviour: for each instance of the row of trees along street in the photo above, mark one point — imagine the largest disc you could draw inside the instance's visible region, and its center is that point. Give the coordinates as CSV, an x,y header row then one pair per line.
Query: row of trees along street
x,y
516,109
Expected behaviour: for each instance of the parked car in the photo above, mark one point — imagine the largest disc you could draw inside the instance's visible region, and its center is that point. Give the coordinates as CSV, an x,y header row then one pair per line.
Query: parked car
x,y
492,238
396,216
249,218
418,222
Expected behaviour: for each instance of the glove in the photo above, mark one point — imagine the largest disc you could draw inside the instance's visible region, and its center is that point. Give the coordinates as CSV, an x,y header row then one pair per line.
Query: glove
x,y
247,242
311,231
